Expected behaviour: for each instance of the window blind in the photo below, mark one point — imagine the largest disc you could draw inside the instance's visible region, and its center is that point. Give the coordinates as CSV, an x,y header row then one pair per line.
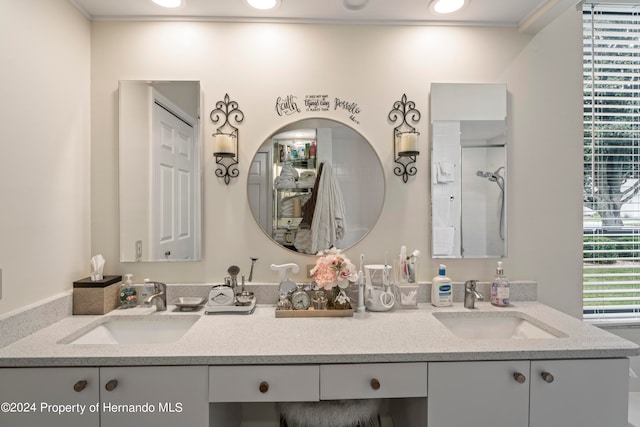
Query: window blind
x,y
611,211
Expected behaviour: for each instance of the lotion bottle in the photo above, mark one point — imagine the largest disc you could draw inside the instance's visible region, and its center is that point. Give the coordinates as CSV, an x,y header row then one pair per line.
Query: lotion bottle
x,y
500,288
441,289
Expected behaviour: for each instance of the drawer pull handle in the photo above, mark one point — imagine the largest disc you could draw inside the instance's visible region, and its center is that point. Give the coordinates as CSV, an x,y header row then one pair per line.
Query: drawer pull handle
x,y
520,378
111,385
80,385
375,384
547,377
264,387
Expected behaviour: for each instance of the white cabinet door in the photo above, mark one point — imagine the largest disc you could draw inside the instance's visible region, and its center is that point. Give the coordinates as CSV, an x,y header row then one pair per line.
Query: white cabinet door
x,y
154,396
53,397
479,394
585,393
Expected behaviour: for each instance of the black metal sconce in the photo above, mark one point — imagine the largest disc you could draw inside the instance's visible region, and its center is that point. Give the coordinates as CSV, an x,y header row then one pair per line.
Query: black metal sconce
x,y
405,137
226,139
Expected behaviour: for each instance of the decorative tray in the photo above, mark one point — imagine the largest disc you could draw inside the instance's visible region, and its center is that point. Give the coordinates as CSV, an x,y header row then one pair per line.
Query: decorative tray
x,y
311,312
231,309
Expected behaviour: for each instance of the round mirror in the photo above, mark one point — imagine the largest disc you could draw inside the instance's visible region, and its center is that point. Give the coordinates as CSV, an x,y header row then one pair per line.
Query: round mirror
x,y
315,184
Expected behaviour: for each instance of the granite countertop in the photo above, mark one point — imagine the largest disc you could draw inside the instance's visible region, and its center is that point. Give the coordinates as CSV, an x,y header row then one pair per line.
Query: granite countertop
x,y
261,338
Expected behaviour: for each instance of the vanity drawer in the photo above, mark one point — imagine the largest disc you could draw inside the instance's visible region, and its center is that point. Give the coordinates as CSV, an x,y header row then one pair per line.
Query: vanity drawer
x,y
373,380
263,383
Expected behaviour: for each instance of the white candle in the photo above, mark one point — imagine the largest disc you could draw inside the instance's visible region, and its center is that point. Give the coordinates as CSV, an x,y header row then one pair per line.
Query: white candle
x,y
408,141
223,144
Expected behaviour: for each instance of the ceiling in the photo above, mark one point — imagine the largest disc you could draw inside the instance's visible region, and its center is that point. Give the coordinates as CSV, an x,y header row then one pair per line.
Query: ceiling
x,y
527,15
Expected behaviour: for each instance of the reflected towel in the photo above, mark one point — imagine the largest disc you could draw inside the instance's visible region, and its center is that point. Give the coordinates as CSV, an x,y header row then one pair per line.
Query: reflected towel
x,y
328,223
307,179
290,171
303,241
287,206
307,176
285,182
445,172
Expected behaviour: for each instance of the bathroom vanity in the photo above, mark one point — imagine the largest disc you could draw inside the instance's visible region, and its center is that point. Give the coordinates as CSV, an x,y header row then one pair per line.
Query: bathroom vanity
x,y
540,368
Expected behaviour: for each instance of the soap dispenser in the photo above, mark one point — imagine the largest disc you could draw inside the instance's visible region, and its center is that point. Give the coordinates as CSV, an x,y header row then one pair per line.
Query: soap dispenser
x,y
441,289
500,288
128,294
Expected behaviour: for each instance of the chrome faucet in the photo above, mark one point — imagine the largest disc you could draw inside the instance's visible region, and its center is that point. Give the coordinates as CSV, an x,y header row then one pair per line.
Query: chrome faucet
x,y
158,297
471,294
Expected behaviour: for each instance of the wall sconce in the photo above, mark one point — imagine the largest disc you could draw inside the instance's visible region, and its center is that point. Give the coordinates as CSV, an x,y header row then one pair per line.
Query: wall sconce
x,y
405,137
226,138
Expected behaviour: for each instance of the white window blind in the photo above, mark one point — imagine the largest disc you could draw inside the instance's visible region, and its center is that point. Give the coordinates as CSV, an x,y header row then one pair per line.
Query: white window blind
x,y
611,212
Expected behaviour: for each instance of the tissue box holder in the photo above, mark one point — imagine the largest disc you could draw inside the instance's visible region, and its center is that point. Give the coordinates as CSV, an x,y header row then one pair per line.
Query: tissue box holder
x,y
99,297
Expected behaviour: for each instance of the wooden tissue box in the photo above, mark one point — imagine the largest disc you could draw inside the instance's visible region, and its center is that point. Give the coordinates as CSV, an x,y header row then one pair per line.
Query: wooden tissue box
x,y
98,297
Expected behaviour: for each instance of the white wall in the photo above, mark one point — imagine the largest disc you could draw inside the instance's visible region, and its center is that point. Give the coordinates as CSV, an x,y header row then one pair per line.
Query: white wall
x,y
482,205
373,66
356,169
44,152
545,163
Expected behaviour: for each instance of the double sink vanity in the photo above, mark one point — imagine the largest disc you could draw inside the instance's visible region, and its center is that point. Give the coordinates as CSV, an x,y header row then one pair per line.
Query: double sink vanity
x,y
525,365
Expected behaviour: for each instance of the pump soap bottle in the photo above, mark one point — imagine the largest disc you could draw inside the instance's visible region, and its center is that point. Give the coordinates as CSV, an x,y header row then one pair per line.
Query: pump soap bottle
x,y
441,290
128,294
500,288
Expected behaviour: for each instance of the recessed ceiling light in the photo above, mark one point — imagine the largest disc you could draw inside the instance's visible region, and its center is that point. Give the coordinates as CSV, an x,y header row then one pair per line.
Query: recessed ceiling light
x,y
354,4
169,3
443,7
263,4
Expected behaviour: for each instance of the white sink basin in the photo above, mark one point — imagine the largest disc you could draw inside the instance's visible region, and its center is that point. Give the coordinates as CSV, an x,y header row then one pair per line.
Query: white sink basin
x,y
496,325
134,330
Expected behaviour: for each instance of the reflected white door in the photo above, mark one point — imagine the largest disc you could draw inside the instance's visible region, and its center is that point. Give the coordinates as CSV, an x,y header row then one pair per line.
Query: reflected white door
x,y
173,185
259,189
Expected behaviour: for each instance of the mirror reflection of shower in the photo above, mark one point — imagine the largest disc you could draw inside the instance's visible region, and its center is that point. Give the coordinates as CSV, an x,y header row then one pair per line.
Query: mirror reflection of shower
x,y
498,179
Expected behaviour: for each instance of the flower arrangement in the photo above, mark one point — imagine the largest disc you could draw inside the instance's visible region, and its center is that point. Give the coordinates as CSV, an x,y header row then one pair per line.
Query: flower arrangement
x,y
333,269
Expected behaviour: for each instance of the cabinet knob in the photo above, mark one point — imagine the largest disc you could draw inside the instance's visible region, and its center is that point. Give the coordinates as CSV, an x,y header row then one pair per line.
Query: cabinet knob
x,y
80,385
520,378
111,385
547,377
264,387
375,384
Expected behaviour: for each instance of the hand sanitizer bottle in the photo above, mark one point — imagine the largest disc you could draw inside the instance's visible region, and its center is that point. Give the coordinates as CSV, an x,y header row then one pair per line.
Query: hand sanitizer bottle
x,y
441,290
500,288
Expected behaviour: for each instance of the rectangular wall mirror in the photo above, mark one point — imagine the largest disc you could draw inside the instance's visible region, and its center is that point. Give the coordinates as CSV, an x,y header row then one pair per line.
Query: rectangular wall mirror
x,y
159,171
468,170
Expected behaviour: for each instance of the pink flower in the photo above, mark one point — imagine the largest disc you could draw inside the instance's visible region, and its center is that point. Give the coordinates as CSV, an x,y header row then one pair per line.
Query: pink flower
x,y
333,269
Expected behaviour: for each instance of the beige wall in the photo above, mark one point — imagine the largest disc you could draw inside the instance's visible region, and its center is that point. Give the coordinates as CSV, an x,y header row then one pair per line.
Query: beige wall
x,y
49,231
44,152
373,66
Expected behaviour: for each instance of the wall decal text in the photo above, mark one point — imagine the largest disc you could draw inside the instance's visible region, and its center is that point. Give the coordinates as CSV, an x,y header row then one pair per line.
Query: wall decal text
x,y
317,103
351,107
287,105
